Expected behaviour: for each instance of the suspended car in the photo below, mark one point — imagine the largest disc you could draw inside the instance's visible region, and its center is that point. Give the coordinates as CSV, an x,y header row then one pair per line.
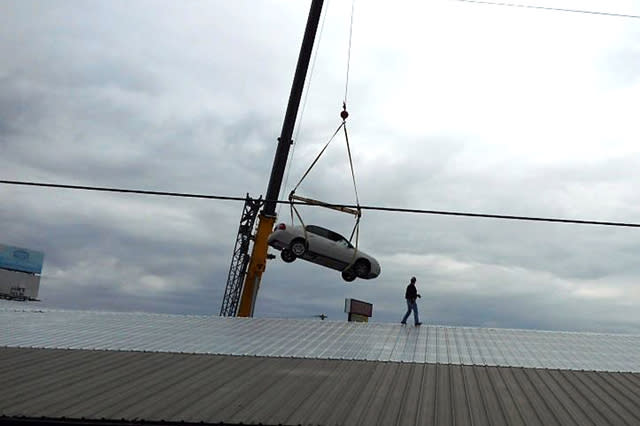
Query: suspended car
x,y
323,247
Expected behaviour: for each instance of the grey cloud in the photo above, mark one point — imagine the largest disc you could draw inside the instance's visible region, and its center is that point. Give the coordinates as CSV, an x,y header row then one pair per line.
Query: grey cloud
x,y
620,62
191,98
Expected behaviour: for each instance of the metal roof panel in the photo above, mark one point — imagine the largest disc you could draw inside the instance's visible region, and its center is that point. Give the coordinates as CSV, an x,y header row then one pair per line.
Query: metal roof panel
x,y
315,339
158,386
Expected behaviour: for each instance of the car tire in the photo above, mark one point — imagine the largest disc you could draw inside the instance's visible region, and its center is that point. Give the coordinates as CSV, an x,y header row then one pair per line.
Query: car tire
x,y
348,275
298,247
362,268
287,255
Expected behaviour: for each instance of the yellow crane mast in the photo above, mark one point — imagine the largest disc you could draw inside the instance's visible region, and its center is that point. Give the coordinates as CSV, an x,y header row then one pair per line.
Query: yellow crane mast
x,y
267,217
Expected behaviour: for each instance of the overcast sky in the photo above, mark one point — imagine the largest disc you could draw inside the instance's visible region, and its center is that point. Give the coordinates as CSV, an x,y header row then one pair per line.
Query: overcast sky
x,y
454,106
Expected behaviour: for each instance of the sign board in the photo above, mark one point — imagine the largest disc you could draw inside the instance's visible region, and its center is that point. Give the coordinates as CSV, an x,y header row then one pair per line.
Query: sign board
x,y
21,259
18,285
358,318
358,310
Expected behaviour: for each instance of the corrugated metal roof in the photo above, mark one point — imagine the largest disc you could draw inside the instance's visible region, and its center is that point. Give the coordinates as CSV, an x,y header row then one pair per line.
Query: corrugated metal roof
x,y
77,384
317,339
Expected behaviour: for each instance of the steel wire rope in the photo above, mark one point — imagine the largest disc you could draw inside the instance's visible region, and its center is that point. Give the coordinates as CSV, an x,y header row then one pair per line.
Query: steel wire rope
x,y
346,83
304,105
343,114
291,202
342,125
317,157
554,9
373,208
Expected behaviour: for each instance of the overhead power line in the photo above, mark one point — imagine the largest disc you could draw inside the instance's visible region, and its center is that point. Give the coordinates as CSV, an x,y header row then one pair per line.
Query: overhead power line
x,y
555,9
353,206
121,190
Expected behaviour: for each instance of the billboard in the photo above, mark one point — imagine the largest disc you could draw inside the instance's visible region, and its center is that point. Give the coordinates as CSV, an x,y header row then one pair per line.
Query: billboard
x,y
18,285
21,259
355,306
358,310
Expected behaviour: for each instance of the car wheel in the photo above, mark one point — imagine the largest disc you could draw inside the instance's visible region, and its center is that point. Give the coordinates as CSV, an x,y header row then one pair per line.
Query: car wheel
x,y
362,268
348,275
298,247
287,255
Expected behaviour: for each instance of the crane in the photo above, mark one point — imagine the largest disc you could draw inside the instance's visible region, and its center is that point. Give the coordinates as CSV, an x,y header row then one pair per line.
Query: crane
x,y
255,265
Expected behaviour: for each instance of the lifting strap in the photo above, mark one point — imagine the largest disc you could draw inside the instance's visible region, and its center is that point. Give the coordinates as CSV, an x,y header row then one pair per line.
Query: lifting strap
x,y
343,125
357,212
318,157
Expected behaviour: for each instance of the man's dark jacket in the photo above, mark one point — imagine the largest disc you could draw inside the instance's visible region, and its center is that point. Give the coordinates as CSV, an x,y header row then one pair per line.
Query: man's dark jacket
x,y
411,293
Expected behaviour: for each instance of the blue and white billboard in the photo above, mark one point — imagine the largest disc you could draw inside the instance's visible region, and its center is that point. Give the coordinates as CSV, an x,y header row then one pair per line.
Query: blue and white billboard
x,y
21,259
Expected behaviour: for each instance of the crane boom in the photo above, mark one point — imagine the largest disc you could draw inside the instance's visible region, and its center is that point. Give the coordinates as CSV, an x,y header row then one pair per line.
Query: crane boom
x,y
266,220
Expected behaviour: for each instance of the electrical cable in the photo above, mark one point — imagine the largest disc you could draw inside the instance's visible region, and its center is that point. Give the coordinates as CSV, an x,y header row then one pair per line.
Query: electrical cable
x,y
373,208
122,190
555,9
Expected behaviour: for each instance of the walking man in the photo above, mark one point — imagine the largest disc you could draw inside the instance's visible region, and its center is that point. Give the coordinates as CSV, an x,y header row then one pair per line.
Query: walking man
x,y
411,295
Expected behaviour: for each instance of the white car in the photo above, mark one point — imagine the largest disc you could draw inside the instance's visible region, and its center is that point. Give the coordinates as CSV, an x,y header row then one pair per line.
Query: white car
x,y
323,247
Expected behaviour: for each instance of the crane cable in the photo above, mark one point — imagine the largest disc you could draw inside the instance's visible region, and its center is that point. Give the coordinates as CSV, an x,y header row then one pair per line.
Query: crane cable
x,y
342,126
304,103
346,83
344,114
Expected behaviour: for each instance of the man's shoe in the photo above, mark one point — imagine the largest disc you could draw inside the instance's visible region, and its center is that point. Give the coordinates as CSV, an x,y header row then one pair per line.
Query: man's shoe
x,y
403,323
418,323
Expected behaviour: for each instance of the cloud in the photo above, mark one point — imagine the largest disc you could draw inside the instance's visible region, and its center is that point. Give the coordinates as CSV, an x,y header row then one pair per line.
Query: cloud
x,y
452,107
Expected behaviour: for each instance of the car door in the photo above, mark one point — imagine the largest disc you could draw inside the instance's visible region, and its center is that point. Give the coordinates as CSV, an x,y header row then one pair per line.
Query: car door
x,y
317,244
341,250
344,251
322,248
337,252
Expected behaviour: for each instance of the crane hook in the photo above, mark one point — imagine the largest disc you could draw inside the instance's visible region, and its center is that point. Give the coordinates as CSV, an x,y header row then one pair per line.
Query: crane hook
x,y
344,114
